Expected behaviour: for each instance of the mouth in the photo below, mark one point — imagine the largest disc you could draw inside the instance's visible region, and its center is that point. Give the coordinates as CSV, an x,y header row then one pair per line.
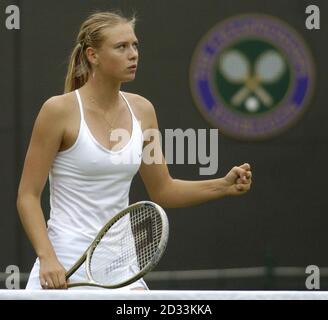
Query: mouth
x,y
133,67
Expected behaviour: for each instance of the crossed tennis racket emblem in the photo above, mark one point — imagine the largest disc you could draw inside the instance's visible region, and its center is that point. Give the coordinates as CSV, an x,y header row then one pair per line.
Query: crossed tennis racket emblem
x,y
237,69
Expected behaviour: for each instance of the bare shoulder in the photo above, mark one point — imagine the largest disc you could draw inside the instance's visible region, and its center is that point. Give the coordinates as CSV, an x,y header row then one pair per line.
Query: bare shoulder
x,y
57,106
143,109
55,114
139,102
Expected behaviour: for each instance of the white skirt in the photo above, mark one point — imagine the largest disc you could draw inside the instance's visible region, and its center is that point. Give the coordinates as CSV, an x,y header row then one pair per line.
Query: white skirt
x,y
79,276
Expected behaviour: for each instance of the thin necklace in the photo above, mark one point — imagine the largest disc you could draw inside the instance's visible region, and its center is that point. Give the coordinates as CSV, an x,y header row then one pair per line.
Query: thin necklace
x,y
112,123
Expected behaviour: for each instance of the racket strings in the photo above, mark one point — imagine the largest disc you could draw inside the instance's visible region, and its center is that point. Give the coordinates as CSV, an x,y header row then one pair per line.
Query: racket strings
x,y
139,240
106,260
147,229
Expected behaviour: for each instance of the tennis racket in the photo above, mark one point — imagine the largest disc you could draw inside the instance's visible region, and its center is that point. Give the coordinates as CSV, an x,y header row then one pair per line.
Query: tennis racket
x,y
126,248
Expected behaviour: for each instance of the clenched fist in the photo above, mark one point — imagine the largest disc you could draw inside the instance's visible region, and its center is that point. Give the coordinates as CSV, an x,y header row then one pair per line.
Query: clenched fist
x,y
238,180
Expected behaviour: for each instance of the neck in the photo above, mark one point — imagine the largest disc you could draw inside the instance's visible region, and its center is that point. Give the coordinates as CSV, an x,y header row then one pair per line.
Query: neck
x,y
104,91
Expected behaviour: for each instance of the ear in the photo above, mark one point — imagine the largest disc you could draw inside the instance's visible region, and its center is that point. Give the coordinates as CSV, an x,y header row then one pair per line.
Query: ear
x,y
92,55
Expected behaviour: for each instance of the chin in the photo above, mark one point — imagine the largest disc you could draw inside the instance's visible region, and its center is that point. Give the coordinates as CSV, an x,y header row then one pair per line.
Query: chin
x,y
128,79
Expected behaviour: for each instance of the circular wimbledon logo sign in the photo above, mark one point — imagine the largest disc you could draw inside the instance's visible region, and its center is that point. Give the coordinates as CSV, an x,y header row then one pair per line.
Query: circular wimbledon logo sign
x,y
252,76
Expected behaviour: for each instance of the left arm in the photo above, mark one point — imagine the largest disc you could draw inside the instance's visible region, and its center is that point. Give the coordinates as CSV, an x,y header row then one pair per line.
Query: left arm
x,y
169,192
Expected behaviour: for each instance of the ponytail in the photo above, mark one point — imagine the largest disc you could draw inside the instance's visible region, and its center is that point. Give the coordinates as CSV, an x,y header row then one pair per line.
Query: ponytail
x,y
78,69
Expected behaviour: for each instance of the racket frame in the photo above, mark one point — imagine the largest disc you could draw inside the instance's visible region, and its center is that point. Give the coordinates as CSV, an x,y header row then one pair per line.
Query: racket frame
x,y
87,255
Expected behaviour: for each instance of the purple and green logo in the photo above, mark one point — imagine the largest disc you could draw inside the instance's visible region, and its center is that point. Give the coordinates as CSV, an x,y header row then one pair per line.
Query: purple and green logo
x,y
252,76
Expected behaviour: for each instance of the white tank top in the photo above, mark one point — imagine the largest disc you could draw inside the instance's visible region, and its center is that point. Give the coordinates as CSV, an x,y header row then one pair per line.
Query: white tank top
x,y
89,184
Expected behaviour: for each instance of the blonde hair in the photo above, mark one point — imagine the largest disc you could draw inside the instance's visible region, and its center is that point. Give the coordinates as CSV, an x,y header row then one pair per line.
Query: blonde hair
x,y
90,35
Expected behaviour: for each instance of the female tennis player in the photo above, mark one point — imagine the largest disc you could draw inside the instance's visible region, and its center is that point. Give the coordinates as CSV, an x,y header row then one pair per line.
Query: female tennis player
x,y
89,173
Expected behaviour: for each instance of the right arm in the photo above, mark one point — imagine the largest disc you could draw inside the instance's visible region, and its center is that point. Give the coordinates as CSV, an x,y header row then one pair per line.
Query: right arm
x,y
44,144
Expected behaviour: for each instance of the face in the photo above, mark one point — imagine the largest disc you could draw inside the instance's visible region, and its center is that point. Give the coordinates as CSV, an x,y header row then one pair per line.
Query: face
x,y
117,58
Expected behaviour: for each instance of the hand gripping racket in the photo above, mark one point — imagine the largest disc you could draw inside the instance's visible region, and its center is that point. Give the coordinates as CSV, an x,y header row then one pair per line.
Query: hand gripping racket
x,y
126,248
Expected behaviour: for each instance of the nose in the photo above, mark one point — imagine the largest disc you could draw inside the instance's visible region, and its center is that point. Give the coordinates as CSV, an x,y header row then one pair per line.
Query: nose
x,y
133,53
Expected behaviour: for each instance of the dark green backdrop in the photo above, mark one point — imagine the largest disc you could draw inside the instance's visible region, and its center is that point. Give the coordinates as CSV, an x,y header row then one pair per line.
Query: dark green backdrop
x,y
282,221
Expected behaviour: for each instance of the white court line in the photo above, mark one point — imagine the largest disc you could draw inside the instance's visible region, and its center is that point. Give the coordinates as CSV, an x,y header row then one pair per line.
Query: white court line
x,y
160,295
